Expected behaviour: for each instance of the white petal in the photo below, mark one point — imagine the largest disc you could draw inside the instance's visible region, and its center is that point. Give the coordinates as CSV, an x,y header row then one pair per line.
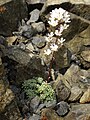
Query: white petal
x,y
54,47
47,52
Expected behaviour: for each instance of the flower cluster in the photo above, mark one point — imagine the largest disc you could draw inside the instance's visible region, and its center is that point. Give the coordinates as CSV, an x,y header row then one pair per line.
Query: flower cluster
x,y
59,21
58,15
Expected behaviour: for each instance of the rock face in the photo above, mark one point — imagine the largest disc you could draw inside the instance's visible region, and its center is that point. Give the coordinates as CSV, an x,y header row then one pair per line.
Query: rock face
x,y
19,56
25,65
11,112
76,93
10,15
79,46
4,1
80,112
86,97
79,40
86,55
49,114
8,106
71,76
53,2
74,75
5,98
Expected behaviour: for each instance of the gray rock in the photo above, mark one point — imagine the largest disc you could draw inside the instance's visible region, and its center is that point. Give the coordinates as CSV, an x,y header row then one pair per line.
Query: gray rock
x,y
62,91
40,107
25,69
72,76
78,41
12,13
22,46
39,27
18,55
62,57
76,93
63,108
85,97
35,117
15,89
39,41
30,47
34,16
75,76
27,31
49,114
50,103
2,40
34,103
79,112
85,80
25,109
86,55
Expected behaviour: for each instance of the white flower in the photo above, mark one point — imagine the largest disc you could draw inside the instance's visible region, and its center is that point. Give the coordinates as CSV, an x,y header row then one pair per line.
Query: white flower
x,y
54,47
60,41
47,52
58,15
62,11
53,22
65,26
61,28
66,15
58,33
67,20
48,39
50,34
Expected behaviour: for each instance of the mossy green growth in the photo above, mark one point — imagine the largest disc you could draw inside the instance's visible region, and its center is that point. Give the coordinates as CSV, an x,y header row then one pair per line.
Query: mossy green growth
x,y
46,92
38,87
